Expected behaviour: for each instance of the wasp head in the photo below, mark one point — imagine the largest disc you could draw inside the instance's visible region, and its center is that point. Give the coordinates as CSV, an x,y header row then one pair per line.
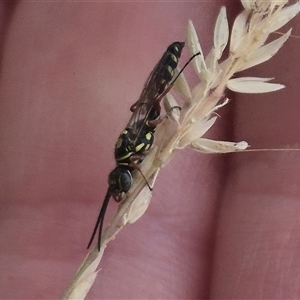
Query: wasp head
x,y
120,181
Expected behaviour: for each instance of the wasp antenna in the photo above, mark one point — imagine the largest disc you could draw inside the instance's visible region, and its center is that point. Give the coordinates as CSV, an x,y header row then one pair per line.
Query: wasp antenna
x,y
101,216
191,58
99,223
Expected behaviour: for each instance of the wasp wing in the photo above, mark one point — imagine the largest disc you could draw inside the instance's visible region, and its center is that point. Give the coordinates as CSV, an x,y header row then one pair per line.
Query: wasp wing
x,y
158,80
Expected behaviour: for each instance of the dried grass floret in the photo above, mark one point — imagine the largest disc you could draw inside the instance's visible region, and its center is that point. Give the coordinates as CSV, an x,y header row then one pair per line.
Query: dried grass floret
x,y
194,47
210,146
221,33
253,85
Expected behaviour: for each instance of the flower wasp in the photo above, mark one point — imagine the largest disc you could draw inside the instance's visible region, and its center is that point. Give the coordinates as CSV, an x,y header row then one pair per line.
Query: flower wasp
x,y
138,136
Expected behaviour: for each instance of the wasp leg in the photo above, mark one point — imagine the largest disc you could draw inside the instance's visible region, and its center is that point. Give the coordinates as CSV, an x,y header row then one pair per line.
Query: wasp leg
x,y
154,123
133,107
154,115
134,165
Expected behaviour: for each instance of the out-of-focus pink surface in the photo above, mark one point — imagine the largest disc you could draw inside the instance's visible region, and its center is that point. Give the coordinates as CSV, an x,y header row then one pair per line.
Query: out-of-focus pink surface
x,y
218,226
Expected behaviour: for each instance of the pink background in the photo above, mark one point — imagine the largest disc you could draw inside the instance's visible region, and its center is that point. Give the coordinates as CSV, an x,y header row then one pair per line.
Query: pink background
x,y
219,226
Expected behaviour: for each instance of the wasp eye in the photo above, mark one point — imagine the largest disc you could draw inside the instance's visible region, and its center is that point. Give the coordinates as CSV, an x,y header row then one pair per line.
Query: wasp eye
x,y
125,180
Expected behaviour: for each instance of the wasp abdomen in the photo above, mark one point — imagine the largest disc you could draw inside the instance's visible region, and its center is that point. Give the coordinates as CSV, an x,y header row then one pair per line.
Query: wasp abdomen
x,y
169,63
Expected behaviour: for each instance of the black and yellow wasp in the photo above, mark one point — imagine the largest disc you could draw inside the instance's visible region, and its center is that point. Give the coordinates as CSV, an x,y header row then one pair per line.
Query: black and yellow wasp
x,y
138,136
